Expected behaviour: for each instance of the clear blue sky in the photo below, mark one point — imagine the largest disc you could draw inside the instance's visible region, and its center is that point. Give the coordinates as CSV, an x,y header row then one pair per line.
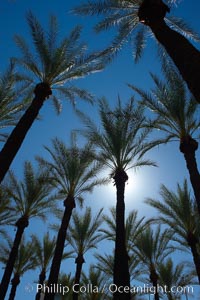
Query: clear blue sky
x,y
109,83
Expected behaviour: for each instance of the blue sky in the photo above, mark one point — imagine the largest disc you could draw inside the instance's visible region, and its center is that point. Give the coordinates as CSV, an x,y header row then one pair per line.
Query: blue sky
x,y
109,83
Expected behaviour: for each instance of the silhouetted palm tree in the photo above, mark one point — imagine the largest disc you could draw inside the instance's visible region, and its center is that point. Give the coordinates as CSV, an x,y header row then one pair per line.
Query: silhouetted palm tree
x,y
120,143
52,64
7,215
24,262
83,235
73,173
65,281
127,16
96,279
133,226
11,104
175,114
30,199
177,209
173,276
44,252
151,247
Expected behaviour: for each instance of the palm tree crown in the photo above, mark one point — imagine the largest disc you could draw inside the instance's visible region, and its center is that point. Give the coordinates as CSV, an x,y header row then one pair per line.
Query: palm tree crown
x,y
30,198
84,233
123,15
178,210
56,62
31,195
52,64
72,169
10,105
173,108
121,140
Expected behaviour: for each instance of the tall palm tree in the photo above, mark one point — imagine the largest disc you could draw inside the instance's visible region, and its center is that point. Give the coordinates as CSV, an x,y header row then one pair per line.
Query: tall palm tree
x,y
177,209
30,199
54,64
175,114
24,262
171,275
83,235
151,247
73,173
44,252
130,16
119,143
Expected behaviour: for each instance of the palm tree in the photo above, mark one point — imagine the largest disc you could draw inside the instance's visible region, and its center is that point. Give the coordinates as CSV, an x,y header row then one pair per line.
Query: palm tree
x,y
24,262
174,276
65,281
53,64
83,235
7,216
73,173
10,105
133,226
177,209
151,247
120,142
105,264
30,198
44,251
96,279
175,114
130,16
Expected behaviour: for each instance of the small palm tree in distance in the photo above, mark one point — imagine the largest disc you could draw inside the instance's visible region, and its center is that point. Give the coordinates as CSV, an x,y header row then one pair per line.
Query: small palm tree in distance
x,y
30,198
83,235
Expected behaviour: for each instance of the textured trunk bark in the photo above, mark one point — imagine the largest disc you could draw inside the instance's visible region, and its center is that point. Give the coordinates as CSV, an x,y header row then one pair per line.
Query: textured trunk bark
x,y
154,280
192,242
42,278
79,263
21,224
121,268
17,136
184,55
69,204
15,282
188,147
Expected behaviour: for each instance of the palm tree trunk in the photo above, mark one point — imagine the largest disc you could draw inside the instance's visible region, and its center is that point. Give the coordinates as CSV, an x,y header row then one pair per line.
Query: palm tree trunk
x,y
69,204
79,263
154,280
15,282
17,136
188,147
121,268
192,242
42,278
21,224
184,55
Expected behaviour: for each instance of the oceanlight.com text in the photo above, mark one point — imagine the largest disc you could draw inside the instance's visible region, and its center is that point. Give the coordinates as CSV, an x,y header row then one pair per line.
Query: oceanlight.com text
x,y
113,288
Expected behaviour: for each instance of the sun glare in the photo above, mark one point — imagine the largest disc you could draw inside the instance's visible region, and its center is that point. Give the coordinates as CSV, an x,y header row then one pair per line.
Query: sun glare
x,y
132,187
